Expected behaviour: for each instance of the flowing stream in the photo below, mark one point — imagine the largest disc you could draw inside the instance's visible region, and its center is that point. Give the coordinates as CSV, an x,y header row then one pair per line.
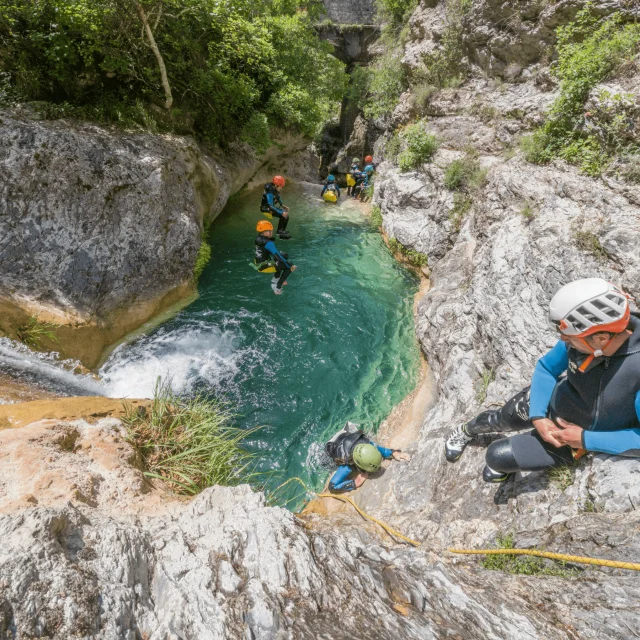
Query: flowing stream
x,y
338,345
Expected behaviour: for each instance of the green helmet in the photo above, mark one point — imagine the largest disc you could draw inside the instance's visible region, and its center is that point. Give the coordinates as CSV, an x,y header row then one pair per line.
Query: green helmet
x,y
367,457
355,160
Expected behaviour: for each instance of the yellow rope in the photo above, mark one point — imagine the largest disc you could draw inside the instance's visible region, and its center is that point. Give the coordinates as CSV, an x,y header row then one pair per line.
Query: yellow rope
x,y
386,527
634,566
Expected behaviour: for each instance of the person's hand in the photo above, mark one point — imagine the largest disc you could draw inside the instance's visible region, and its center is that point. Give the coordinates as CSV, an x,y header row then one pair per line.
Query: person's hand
x,y
547,428
570,434
401,455
293,267
360,478
285,214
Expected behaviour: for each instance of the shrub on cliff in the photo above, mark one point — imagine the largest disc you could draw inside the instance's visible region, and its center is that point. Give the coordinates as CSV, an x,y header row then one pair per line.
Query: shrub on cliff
x,y
589,50
224,63
419,147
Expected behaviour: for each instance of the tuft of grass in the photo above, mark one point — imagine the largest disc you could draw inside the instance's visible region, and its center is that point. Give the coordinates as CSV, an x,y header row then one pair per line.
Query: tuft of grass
x,y
524,565
589,506
461,205
562,477
188,443
393,147
527,212
33,332
376,216
486,378
630,171
589,242
202,259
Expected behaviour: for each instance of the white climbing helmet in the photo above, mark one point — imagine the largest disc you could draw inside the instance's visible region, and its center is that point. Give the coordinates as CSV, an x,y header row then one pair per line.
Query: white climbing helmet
x,y
588,306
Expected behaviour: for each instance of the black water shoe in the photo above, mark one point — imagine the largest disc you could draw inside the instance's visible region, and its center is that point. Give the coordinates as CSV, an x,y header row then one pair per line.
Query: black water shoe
x,y
490,475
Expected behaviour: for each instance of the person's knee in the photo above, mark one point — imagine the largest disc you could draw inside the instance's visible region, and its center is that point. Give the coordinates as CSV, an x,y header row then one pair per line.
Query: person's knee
x,y
500,456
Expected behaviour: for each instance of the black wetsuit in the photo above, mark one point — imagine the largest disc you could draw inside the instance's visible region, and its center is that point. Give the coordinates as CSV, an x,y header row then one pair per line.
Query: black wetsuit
x,y
271,203
267,252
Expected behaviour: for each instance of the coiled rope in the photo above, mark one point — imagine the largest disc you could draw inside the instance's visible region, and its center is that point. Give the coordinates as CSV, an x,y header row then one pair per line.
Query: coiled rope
x,y
563,557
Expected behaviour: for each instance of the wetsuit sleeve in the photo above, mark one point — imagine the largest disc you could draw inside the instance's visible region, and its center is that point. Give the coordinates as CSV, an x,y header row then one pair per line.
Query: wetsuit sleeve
x,y
272,249
549,368
272,205
386,453
625,442
339,480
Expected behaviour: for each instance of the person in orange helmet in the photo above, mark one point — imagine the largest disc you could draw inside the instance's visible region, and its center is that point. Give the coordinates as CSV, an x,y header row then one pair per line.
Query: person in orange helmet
x,y
272,204
267,254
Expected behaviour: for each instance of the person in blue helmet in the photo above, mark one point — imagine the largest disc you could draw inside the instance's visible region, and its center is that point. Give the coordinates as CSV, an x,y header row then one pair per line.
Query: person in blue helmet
x,y
331,186
584,394
272,205
357,457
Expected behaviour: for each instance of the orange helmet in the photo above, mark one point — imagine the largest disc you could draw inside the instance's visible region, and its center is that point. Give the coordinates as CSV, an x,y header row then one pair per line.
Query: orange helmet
x,y
278,181
264,225
368,158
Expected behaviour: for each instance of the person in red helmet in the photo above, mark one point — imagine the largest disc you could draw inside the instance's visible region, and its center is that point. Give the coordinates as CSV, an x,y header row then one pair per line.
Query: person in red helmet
x,y
272,205
584,393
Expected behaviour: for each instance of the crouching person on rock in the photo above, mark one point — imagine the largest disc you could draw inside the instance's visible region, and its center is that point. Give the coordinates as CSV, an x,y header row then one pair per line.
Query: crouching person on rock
x,y
595,407
357,457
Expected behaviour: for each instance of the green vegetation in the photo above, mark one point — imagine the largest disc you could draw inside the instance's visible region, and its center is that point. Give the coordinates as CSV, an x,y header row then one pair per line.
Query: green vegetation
x,y
589,50
33,332
386,82
419,146
203,257
589,242
589,506
413,257
562,477
527,212
376,216
395,12
393,147
465,174
448,65
217,70
187,443
461,205
524,565
486,378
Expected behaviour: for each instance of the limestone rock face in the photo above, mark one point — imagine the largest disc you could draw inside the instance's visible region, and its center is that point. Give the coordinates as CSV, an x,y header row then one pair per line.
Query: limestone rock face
x,y
124,560
101,227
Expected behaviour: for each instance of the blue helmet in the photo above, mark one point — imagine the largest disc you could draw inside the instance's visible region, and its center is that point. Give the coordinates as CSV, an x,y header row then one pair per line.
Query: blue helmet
x,y
331,178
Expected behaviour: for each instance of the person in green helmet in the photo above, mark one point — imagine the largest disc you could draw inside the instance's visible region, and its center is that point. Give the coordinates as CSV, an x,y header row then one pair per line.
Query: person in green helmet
x,y
357,457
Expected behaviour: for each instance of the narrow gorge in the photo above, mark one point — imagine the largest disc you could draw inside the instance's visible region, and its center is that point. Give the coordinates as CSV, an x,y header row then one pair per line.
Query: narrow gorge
x,y
506,139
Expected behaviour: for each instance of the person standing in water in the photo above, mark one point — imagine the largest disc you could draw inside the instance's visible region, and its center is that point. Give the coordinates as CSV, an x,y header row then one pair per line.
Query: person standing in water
x,y
272,204
331,185
268,257
356,454
354,171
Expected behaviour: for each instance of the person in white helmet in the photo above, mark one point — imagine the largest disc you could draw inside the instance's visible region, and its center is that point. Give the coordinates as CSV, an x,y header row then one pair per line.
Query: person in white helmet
x,y
594,407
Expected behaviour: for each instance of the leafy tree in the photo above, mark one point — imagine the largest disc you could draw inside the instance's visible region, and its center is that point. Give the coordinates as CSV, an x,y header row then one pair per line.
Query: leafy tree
x,y
214,68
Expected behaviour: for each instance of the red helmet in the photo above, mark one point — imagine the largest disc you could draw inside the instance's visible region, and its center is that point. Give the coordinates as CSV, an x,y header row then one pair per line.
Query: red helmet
x,y
368,158
278,181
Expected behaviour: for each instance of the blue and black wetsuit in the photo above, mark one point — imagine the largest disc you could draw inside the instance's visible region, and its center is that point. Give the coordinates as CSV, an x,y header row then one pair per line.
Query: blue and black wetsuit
x,y
340,449
271,203
353,170
266,252
330,186
359,177
604,400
